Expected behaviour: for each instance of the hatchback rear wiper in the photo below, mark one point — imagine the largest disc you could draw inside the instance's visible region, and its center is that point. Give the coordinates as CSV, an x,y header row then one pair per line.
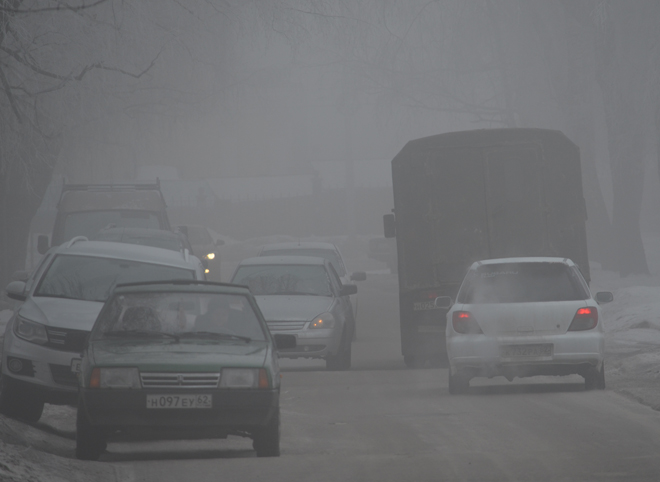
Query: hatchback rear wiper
x,y
214,334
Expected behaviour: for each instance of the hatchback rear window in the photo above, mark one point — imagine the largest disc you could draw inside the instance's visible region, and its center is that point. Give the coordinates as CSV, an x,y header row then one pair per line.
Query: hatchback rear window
x,y
521,283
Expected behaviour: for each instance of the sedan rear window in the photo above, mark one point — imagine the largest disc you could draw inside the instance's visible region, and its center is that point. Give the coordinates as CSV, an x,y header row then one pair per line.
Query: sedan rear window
x,y
93,278
521,283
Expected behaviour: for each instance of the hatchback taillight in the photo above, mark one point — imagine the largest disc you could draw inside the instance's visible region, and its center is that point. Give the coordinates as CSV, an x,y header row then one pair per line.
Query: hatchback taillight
x,y
584,319
464,323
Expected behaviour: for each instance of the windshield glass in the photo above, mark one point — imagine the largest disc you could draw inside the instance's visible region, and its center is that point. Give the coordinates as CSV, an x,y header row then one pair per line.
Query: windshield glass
x,y
182,314
198,235
284,279
521,283
93,278
88,223
328,254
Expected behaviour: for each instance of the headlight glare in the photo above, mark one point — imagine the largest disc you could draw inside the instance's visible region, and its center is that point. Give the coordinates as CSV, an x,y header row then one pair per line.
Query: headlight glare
x,y
210,256
240,378
119,378
30,331
324,320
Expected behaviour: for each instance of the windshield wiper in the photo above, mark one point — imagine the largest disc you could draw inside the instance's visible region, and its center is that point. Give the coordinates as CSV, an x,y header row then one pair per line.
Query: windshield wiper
x,y
214,334
301,293
65,297
128,333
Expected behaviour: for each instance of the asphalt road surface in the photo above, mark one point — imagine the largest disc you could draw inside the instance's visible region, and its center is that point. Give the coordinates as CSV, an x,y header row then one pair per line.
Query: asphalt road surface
x,y
382,422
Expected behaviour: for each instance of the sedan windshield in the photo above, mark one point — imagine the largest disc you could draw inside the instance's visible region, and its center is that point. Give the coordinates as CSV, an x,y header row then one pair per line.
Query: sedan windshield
x,y
521,283
180,316
93,278
294,279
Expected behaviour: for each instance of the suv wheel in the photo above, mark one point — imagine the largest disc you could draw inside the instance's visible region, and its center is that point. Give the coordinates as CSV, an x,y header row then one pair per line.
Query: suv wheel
x,y
17,403
90,440
266,441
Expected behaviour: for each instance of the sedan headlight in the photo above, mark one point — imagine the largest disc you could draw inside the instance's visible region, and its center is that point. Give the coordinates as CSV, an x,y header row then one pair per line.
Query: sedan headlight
x,y
115,378
324,320
244,378
30,331
210,256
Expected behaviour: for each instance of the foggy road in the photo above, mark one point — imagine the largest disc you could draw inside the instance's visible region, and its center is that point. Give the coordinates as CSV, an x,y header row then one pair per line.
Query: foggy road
x,y
383,422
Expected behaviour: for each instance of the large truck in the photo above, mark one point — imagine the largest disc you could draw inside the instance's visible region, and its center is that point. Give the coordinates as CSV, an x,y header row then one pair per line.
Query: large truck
x,y
464,196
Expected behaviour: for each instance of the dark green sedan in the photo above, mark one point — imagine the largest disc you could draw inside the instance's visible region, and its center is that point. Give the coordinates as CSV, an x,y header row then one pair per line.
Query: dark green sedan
x,y
179,360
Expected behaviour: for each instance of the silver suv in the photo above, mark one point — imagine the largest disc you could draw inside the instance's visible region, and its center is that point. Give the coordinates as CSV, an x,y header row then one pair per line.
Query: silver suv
x,y
61,300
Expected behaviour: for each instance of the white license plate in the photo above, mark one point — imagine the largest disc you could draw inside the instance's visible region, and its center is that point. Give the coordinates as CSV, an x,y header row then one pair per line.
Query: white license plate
x,y
179,401
75,365
514,351
424,305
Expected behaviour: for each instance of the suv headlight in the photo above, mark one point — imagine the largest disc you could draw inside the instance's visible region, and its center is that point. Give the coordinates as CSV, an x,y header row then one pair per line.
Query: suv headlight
x,y
115,378
30,331
324,320
210,256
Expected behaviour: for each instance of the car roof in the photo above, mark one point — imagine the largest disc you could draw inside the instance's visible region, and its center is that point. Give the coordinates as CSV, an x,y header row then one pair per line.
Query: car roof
x,y
182,286
283,260
301,245
527,259
132,252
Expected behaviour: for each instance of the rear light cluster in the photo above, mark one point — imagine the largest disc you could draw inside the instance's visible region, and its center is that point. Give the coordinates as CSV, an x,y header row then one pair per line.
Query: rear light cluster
x,y
584,319
464,323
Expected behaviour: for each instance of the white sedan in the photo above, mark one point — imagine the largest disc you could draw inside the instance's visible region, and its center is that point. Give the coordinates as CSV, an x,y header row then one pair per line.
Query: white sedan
x,y
521,317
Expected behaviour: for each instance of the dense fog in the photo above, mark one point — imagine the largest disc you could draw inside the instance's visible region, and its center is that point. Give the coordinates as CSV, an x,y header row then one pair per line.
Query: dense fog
x,y
282,117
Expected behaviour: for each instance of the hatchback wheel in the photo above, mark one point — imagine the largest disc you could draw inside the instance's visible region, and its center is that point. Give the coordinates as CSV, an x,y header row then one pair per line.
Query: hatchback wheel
x,y
90,440
595,379
458,384
266,441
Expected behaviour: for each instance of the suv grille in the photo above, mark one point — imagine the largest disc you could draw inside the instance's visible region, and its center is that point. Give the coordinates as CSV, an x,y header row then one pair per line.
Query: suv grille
x,y
286,325
180,380
66,340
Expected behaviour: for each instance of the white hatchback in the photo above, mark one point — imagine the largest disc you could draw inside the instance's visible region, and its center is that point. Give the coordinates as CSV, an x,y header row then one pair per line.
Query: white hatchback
x,y
522,317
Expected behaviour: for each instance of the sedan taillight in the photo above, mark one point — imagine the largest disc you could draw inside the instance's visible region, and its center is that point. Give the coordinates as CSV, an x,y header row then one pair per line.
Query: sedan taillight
x,y
584,319
464,323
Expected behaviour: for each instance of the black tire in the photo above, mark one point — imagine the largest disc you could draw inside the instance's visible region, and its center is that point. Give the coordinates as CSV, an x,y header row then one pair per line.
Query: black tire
x,y
18,403
266,441
414,362
595,379
90,440
342,360
458,384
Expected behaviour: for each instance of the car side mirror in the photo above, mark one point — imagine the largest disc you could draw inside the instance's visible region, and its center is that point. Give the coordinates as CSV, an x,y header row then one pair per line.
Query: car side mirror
x,y
43,244
359,276
16,290
284,342
219,242
389,226
347,290
443,302
604,297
